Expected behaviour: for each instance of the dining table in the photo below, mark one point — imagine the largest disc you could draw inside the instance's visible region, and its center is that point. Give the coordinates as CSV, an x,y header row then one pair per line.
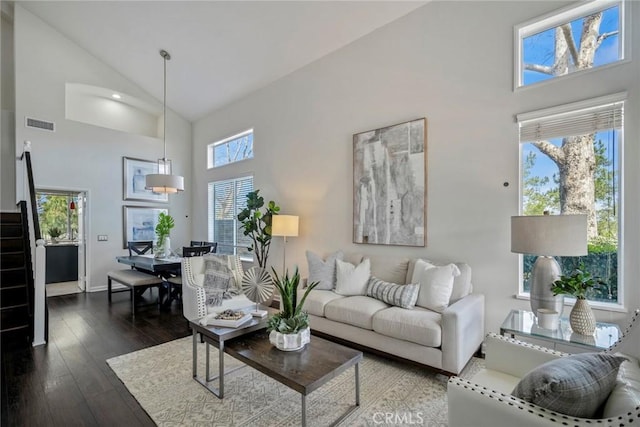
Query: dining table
x,y
163,267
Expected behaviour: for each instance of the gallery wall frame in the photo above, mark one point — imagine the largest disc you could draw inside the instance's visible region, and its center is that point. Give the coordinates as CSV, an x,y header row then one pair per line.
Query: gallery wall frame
x,y
390,185
140,223
134,172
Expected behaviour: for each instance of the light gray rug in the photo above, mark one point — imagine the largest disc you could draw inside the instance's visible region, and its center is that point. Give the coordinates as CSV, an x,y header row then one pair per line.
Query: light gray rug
x,y
390,392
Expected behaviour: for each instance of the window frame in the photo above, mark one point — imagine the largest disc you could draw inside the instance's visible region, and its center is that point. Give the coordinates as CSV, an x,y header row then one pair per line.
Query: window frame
x,y
569,109
211,214
564,15
212,146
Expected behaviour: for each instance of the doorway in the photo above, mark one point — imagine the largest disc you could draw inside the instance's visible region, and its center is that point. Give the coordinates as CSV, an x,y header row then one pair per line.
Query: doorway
x,y
62,216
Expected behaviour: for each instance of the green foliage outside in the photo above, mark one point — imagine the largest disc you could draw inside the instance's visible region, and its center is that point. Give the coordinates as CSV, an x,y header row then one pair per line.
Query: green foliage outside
x,y
542,193
56,219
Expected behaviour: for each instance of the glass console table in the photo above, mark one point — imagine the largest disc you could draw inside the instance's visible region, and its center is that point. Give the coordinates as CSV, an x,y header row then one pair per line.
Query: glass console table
x,y
525,324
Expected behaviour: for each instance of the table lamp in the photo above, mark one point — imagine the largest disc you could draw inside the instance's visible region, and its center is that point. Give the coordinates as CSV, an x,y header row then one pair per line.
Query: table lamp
x,y
285,226
548,236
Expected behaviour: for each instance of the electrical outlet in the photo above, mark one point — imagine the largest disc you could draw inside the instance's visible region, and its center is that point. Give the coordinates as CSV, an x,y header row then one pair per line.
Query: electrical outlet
x,y
102,238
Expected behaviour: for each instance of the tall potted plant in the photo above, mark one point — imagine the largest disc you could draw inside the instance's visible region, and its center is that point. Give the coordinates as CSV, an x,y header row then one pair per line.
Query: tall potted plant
x,y
256,223
163,229
289,329
578,284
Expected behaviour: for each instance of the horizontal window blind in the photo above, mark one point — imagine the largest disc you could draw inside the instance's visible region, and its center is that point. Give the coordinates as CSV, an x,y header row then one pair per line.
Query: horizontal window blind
x,y
226,199
581,122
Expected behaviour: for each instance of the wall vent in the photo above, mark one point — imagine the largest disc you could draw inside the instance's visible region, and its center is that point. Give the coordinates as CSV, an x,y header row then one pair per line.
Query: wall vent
x,y
30,122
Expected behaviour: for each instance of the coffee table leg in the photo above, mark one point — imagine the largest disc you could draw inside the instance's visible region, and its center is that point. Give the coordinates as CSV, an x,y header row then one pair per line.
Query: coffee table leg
x,y
206,346
304,411
221,368
357,384
195,353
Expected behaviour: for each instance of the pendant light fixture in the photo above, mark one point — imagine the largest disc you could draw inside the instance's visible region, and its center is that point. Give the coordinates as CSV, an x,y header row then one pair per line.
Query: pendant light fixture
x,y
163,181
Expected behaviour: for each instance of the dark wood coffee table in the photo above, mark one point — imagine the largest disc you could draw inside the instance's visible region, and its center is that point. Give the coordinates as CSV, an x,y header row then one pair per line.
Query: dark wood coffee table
x,y
304,370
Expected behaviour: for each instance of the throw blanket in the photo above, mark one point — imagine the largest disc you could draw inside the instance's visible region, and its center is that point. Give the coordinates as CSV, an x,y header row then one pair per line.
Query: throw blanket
x,y
217,279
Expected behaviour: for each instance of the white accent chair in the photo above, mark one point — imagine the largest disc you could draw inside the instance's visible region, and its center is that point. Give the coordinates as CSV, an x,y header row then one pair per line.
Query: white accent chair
x,y
485,399
193,295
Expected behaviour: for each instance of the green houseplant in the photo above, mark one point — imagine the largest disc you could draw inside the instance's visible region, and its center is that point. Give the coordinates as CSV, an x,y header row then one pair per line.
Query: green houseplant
x,y
256,224
55,232
163,229
289,329
578,284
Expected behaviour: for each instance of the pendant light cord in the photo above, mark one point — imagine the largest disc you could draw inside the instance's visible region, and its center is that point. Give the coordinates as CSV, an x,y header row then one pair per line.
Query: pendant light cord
x,y
164,54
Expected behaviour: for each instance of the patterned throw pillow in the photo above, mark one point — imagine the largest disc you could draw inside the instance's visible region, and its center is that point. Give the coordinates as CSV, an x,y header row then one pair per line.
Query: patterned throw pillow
x,y
217,279
574,385
323,271
404,296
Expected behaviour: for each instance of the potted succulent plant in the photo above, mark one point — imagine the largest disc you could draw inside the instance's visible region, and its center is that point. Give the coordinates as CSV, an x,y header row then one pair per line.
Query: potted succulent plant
x,y
55,233
289,329
578,284
163,229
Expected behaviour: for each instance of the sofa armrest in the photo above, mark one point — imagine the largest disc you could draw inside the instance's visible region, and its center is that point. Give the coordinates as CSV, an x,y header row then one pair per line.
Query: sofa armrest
x,y
462,331
474,405
514,357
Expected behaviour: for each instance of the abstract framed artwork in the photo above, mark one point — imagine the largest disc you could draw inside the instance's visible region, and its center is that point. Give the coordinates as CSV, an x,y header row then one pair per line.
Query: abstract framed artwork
x,y
390,185
133,178
140,223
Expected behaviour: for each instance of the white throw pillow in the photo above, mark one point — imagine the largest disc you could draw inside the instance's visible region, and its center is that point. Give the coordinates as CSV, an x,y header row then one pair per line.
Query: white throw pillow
x,y
351,279
436,284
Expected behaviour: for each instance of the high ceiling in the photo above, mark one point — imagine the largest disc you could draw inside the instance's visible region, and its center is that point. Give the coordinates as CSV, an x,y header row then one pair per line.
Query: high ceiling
x,y
220,50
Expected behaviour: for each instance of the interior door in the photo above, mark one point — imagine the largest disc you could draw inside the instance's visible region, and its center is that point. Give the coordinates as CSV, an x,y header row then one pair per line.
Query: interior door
x,y
82,265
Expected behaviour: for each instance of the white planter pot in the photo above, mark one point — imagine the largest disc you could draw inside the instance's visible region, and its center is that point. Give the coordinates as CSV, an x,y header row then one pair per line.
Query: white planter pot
x,y
290,342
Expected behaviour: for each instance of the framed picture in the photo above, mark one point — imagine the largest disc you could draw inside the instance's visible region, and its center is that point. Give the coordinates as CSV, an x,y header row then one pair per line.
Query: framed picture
x,y
133,178
140,223
389,185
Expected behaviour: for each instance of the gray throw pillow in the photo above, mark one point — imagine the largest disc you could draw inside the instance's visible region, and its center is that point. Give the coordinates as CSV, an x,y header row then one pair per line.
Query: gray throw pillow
x,y
323,271
575,385
404,296
217,278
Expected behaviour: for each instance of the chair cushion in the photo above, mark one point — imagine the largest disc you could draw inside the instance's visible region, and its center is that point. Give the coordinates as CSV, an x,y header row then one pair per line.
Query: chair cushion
x,y
134,278
317,300
419,325
356,310
323,271
436,284
574,385
404,296
626,393
352,279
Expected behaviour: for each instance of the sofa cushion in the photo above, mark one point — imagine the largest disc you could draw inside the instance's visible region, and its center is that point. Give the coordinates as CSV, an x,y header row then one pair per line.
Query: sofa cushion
x,y
323,271
390,269
461,284
316,301
626,393
352,279
419,325
436,284
574,385
356,310
404,296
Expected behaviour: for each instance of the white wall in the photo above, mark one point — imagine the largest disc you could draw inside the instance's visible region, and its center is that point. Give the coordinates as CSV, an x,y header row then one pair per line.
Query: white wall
x,y
450,62
84,157
7,126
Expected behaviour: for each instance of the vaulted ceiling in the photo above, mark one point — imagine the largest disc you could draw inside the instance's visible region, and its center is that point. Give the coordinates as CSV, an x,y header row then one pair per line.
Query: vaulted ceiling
x,y
220,50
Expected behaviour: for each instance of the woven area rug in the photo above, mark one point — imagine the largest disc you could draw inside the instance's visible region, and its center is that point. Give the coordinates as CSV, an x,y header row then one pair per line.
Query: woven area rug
x,y
390,392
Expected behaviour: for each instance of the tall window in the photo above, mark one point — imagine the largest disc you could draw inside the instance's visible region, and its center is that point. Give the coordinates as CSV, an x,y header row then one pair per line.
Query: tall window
x,y
226,199
572,40
570,163
230,150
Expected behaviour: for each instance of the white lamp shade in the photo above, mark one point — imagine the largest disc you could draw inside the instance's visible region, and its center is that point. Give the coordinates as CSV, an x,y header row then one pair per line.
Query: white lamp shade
x,y
161,183
549,235
284,225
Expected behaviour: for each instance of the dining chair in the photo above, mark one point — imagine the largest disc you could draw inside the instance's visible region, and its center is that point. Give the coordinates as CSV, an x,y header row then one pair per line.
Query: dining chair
x,y
189,251
214,245
136,282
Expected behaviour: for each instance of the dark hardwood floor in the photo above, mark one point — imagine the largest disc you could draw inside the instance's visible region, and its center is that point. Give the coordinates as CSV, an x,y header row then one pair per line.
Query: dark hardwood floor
x,y
67,382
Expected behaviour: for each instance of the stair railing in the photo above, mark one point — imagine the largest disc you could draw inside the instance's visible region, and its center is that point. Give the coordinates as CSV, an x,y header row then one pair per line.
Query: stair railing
x,y
37,294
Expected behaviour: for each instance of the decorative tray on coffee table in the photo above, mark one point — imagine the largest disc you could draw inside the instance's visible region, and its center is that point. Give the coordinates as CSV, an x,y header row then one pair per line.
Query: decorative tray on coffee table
x,y
227,319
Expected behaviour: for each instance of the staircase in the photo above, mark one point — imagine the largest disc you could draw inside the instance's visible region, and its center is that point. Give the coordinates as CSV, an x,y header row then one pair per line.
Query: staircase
x,y
16,278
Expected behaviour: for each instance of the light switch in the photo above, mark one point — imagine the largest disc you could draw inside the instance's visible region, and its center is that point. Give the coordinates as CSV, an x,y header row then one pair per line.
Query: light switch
x,y
102,238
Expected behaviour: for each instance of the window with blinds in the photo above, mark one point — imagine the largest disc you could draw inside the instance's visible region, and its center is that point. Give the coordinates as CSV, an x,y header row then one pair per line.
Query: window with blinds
x,y
226,199
571,161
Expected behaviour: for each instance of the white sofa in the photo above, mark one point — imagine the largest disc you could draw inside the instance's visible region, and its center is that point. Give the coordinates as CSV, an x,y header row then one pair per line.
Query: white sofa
x,y
445,341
